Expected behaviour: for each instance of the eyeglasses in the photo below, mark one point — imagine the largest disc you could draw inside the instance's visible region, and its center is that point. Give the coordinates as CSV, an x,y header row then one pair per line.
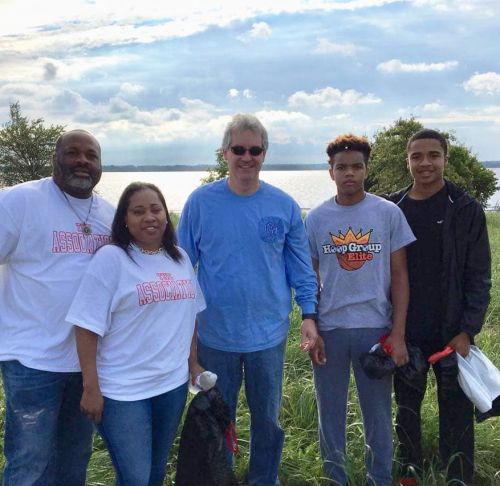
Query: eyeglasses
x,y
240,150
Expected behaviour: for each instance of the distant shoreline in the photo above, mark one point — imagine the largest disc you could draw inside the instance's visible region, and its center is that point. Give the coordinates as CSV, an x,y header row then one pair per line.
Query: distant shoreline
x,y
205,167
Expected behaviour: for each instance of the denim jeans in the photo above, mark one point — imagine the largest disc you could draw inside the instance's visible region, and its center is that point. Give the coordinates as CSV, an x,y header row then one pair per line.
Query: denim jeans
x,y
343,348
139,435
48,441
262,372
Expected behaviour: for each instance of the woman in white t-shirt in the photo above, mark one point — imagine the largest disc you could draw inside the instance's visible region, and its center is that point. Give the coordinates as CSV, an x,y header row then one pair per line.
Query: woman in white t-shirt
x,y
134,316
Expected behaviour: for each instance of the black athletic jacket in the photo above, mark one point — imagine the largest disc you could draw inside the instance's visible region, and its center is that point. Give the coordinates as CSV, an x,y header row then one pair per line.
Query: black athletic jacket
x,y
466,278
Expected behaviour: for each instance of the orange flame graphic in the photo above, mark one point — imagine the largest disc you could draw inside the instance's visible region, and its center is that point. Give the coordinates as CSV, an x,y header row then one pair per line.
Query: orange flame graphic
x,y
345,259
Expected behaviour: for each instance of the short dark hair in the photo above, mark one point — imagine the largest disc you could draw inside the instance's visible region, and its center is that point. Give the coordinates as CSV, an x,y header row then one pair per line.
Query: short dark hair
x,y
61,137
429,133
348,141
120,234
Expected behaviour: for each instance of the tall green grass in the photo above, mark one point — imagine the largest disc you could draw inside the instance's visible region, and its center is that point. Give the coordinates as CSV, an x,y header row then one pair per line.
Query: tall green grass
x,y
301,462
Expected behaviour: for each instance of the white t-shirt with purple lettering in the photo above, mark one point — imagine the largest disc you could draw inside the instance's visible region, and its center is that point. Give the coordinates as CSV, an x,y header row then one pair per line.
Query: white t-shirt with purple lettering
x,y
143,307
43,254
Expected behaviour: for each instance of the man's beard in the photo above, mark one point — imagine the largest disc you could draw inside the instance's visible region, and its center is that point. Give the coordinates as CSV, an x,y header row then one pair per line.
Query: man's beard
x,y
80,183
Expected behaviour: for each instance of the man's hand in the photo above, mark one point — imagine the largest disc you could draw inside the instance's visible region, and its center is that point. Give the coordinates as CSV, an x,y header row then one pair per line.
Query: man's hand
x,y
308,334
317,353
92,404
399,352
461,344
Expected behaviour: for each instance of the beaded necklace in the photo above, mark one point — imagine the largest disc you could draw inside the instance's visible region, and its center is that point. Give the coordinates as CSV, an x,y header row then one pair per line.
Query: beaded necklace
x,y
148,252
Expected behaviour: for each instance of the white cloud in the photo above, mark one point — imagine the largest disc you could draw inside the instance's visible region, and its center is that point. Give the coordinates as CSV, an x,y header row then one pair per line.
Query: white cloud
x,y
259,30
324,46
130,89
433,107
216,12
485,83
336,118
116,119
329,97
84,36
467,116
489,114
397,66
487,8
18,68
234,93
285,126
82,25
281,116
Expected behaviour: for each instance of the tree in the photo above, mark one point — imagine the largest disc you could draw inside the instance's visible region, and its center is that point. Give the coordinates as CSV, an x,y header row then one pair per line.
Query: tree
x,y
388,171
219,171
26,148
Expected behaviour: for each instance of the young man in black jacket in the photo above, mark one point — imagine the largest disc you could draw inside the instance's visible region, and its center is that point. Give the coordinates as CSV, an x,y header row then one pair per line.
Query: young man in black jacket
x,y
450,278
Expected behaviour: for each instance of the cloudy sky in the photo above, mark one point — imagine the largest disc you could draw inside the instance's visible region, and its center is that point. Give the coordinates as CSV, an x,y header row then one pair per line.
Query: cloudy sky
x,y
156,81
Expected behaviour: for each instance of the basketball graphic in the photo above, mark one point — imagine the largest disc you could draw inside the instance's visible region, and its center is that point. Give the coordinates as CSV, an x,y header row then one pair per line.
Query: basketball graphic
x,y
355,255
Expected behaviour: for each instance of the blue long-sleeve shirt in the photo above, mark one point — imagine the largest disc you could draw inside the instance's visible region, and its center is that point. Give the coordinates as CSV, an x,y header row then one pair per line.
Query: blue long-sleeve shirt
x,y
250,250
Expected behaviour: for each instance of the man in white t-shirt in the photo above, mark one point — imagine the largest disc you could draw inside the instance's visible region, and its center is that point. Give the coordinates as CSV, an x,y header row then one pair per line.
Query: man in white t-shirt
x,y
357,243
49,231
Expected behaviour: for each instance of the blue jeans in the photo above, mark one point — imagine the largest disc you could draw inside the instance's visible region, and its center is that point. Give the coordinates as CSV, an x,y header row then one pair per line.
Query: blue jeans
x,y
139,435
263,373
48,441
343,348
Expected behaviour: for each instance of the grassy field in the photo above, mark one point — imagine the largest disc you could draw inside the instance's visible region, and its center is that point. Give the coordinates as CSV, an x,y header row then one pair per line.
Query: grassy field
x,y
301,462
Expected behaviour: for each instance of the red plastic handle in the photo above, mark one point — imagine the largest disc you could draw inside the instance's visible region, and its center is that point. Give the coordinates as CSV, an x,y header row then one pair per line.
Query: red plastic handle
x,y
231,439
434,358
386,347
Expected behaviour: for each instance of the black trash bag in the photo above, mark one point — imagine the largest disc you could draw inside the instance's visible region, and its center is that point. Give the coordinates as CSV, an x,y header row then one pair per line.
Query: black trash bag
x,y
449,372
203,458
414,373
493,412
377,363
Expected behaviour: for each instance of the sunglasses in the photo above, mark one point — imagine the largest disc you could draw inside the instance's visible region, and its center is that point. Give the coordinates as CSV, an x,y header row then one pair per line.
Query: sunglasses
x,y
240,150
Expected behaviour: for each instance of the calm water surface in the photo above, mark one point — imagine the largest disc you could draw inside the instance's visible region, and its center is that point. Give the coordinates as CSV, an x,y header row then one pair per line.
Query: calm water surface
x,y
307,187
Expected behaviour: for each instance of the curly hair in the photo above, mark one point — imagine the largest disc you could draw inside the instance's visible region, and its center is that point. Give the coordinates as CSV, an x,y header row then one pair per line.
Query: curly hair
x,y
348,141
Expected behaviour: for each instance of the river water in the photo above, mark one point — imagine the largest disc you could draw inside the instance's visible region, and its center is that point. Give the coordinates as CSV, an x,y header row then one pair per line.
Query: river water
x,y
307,187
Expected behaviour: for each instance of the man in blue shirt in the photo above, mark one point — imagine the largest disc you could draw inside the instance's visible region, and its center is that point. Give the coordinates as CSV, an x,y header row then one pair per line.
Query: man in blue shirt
x,y
249,242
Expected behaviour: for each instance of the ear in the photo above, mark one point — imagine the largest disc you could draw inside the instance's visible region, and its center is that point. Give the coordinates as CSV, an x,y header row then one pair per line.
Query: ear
x,y
330,170
224,154
55,166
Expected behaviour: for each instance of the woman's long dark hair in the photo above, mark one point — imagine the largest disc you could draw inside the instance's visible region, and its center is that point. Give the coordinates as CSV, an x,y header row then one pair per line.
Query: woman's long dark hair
x,y
120,234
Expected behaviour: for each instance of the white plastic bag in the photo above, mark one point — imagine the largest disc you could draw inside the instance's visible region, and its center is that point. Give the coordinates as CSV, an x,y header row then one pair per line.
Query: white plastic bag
x,y
204,381
490,375
478,378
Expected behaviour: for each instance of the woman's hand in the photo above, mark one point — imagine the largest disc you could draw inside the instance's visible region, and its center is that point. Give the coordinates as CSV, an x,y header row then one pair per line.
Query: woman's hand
x,y
194,370
92,404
